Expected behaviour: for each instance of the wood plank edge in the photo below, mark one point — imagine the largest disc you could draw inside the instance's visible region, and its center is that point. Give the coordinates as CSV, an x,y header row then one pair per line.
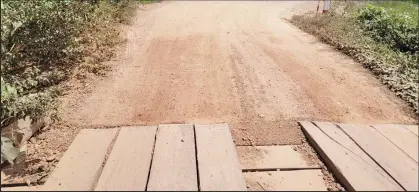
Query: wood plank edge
x,y
371,157
236,176
22,188
328,162
407,127
196,158
244,170
388,139
410,130
162,127
22,184
177,124
113,145
151,159
109,150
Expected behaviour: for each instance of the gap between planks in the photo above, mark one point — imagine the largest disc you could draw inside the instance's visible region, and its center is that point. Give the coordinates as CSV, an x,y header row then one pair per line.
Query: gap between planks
x,y
219,167
394,161
196,164
401,137
282,157
346,159
174,163
128,165
81,164
245,170
196,159
110,147
151,159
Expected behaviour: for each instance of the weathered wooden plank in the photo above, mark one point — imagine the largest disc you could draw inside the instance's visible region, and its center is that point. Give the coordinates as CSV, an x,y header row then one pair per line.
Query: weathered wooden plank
x,y
81,164
128,165
21,188
389,156
402,138
271,157
297,180
412,128
174,163
218,165
352,166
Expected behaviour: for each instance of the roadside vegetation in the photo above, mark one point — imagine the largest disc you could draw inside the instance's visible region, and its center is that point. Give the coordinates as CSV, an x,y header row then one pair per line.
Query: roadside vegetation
x,y
45,43
383,36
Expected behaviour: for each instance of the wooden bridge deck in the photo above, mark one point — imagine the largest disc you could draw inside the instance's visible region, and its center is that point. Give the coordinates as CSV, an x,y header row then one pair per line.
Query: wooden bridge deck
x,y
204,157
164,157
177,157
368,157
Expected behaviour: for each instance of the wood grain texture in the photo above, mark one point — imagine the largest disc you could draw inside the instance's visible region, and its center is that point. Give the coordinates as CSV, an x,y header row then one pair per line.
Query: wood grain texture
x,y
297,180
81,164
353,167
401,137
128,165
21,188
218,164
271,157
174,163
412,128
389,156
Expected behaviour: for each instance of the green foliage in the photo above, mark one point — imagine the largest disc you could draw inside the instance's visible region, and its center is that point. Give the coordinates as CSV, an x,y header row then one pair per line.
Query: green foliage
x,y
348,31
7,92
397,29
148,1
44,41
8,151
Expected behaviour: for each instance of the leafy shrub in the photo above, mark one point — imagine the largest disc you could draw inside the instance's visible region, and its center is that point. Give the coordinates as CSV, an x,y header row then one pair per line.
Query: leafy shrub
x,y
398,30
43,41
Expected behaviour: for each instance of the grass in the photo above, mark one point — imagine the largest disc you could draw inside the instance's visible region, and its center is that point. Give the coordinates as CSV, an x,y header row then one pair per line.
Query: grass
x,y
149,1
398,6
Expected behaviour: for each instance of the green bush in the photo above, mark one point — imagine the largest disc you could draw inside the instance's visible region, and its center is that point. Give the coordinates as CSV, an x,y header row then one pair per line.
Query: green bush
x,y
397,29
43,41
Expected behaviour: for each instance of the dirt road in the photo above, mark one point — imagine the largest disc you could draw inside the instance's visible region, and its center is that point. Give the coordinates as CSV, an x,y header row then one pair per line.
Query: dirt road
x,y
241,63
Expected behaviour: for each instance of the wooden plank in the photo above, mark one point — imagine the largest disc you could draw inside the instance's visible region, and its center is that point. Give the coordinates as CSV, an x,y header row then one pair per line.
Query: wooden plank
x,y
297,180
412,128
402,138
129,162
81,164
174,163
218,165
21,188
352,167
271,157
389,156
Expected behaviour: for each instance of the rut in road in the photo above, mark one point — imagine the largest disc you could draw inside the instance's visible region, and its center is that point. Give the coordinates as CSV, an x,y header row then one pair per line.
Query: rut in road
x,y
236,62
